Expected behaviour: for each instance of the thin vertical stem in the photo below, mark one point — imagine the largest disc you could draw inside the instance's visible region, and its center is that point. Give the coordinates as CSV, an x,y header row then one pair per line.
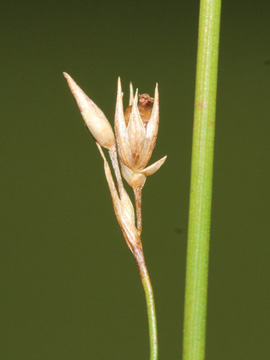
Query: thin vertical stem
x,y
135,246
201,181
151,312
138,203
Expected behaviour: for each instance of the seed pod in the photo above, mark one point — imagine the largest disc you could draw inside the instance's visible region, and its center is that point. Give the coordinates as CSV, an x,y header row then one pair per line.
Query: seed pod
x,y
144,107
136,133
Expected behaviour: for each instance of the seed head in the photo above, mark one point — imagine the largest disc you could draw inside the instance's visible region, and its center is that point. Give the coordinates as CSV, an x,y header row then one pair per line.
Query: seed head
x,y
136,133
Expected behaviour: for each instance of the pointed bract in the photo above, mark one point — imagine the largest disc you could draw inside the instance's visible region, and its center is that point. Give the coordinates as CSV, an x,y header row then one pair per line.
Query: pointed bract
x,y
94,118
136,131
121,132
131,96
150,170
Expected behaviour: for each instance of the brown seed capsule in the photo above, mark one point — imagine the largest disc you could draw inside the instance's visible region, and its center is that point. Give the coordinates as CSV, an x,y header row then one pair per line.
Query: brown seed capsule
x,y
145,109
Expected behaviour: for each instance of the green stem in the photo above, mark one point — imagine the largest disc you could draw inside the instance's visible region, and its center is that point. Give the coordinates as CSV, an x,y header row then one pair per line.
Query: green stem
x,y
201,181
149,295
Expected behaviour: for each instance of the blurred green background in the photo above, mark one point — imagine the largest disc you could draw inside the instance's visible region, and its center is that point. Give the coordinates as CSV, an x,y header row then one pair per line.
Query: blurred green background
x,y
70,288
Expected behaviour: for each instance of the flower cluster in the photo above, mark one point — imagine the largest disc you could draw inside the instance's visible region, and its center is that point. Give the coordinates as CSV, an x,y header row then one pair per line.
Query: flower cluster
x,y
133,142
136,138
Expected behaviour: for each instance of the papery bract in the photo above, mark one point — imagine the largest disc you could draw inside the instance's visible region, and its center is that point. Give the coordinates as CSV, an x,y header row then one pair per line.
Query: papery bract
x,y
94,118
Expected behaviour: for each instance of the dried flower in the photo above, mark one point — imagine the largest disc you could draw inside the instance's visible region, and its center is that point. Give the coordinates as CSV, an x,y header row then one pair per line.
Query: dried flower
x,y
136,138
136,133
94,118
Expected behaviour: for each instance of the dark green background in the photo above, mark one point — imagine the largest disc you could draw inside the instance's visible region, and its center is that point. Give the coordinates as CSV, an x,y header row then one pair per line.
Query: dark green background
x,y
69,286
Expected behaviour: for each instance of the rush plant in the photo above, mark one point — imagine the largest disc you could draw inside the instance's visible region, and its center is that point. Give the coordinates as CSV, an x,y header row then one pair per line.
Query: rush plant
x,y
132,144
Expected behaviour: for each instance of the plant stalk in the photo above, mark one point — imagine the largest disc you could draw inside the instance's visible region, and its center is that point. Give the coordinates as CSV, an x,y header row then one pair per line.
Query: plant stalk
x,y
149,295
138,203
201,181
